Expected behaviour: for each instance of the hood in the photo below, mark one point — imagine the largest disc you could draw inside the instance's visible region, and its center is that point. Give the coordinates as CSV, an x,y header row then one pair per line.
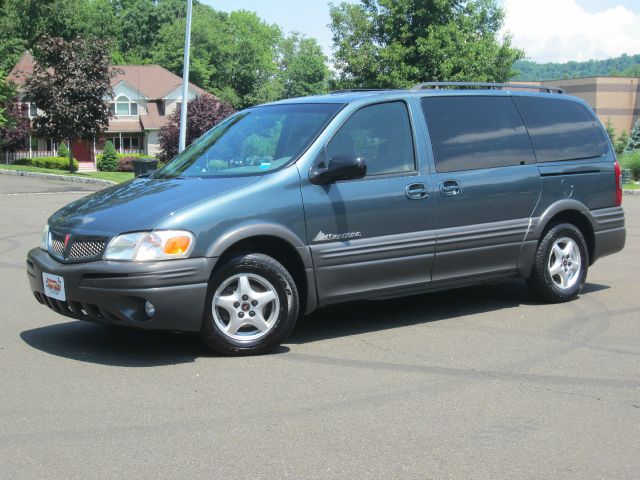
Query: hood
x,y
139,204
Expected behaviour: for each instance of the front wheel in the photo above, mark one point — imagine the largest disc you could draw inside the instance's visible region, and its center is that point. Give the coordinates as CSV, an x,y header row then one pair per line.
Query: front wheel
x,y
251,306
561,263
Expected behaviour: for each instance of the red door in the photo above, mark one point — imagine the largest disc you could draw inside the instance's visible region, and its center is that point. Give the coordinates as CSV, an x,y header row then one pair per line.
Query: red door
x,y
81,150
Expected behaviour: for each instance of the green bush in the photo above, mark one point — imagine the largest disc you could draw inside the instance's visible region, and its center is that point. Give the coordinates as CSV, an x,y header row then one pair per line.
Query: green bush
x,y
135,155
108,160
54,163
63,151
631,161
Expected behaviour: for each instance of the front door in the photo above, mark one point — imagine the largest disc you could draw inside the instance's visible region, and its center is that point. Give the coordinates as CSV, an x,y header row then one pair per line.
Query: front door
x,y
81,150
487,184
372,236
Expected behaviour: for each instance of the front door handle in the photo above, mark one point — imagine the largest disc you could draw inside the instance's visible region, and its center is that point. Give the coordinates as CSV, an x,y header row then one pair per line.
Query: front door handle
x,y
416,191
450,188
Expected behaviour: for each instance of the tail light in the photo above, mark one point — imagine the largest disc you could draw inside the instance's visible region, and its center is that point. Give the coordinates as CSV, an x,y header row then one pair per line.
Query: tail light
x,y
618,173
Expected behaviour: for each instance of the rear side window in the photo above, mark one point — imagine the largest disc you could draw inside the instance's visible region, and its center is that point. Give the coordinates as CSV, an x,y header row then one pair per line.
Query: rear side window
x,y
468,133
561,130
381,134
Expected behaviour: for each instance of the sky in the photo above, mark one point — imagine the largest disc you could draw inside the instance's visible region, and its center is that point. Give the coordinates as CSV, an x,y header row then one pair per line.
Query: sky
x,y
548,30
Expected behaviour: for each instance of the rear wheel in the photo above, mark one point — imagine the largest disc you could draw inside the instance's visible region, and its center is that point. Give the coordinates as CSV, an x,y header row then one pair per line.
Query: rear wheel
x,y
252,306
560,268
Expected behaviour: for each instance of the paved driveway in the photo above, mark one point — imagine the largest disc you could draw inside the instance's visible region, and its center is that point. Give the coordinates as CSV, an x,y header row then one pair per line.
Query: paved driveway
x,y
475,383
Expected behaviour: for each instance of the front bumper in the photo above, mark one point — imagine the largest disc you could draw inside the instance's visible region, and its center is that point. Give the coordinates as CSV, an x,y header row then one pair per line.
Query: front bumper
x,y
116,292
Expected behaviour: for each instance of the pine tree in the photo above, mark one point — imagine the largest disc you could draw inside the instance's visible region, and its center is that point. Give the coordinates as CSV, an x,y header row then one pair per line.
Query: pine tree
x,y
108,161
634,138
63,151
611,131
621,144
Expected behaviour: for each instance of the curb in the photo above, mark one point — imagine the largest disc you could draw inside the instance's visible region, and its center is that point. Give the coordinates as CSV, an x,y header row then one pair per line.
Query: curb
x,y
631,192
63,178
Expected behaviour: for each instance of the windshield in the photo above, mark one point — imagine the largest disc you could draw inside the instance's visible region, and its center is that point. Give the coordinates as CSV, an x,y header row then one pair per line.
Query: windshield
x,y
253,141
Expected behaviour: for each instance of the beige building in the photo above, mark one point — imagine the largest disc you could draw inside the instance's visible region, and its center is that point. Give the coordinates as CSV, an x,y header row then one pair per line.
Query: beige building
x,y
614,99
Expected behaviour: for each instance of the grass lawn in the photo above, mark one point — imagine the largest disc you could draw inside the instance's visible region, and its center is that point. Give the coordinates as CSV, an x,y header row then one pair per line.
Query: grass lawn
x,y
631,186
117,177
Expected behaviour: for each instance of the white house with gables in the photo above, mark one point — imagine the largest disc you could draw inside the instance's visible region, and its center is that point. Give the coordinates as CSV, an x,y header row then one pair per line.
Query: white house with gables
x,y
144,98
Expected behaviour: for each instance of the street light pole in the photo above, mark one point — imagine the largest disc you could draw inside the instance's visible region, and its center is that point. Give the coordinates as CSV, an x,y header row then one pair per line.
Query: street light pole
x,y
185,81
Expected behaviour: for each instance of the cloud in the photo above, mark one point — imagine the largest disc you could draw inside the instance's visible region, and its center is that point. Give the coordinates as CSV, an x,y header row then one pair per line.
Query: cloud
x,y
561,30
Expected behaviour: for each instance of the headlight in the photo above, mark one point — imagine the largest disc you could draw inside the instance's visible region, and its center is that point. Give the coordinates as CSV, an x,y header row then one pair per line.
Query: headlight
x,y
156,245
44,240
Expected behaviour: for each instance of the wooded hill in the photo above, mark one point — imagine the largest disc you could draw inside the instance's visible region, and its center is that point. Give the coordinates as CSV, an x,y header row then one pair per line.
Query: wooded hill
x,y
624,66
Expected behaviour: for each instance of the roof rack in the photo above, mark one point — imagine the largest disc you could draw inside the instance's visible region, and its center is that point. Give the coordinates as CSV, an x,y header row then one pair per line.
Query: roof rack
x,y
438,85
349,90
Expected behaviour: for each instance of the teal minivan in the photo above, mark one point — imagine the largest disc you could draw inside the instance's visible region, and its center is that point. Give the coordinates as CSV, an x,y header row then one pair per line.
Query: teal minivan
x,y
287,207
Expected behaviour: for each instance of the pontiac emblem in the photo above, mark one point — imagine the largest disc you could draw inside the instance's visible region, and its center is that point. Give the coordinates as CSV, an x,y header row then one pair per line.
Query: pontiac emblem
x,y
66,240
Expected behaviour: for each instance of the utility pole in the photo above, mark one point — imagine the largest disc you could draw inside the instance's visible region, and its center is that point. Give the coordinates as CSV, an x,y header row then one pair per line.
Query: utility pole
x,y
185,81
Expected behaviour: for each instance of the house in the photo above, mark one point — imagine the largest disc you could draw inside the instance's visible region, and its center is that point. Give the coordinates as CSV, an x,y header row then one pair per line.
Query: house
x,y
144,96
616,100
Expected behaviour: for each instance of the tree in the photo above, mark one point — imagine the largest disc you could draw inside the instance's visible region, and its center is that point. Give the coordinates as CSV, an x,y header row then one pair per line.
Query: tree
x,y
63,150
611,131
232,55
24,22
634,138
108,161
621,144
398,43
15,127
5,94
203,112
69,83
139,23
303,67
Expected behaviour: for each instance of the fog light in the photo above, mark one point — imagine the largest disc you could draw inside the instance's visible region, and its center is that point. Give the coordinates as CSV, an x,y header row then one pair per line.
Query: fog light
x,y
150,309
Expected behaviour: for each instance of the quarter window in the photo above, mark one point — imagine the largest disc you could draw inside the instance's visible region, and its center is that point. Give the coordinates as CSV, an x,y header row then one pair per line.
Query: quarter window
x,y
381,134
469,133
561,129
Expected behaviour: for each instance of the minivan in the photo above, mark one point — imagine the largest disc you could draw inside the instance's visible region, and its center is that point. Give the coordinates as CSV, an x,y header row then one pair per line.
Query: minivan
x,y
291,206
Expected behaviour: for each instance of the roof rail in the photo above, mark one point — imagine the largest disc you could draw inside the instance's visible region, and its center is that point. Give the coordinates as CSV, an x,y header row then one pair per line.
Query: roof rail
x,y
438,85
348,90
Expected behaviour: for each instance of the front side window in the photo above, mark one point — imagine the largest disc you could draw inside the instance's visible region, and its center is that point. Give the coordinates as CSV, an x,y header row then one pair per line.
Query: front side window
x,y
561,129
253,141
381,134
469,133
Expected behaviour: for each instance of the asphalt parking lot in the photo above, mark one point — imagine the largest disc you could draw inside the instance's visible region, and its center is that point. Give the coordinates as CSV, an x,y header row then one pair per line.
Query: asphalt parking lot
x,y
482,382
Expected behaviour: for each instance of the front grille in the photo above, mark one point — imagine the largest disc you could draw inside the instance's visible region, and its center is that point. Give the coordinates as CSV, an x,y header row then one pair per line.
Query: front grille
x,y
77,248
86,248
56,245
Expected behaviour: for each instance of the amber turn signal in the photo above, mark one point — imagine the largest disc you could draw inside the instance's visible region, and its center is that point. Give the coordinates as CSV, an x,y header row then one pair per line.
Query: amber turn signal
x,y
177,245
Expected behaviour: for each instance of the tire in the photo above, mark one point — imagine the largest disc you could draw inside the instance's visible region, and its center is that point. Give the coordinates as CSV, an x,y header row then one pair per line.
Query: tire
x,y
251,306
555,277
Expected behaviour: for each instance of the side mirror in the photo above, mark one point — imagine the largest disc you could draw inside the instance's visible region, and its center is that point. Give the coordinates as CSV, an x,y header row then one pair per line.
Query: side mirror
x,y
341,167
